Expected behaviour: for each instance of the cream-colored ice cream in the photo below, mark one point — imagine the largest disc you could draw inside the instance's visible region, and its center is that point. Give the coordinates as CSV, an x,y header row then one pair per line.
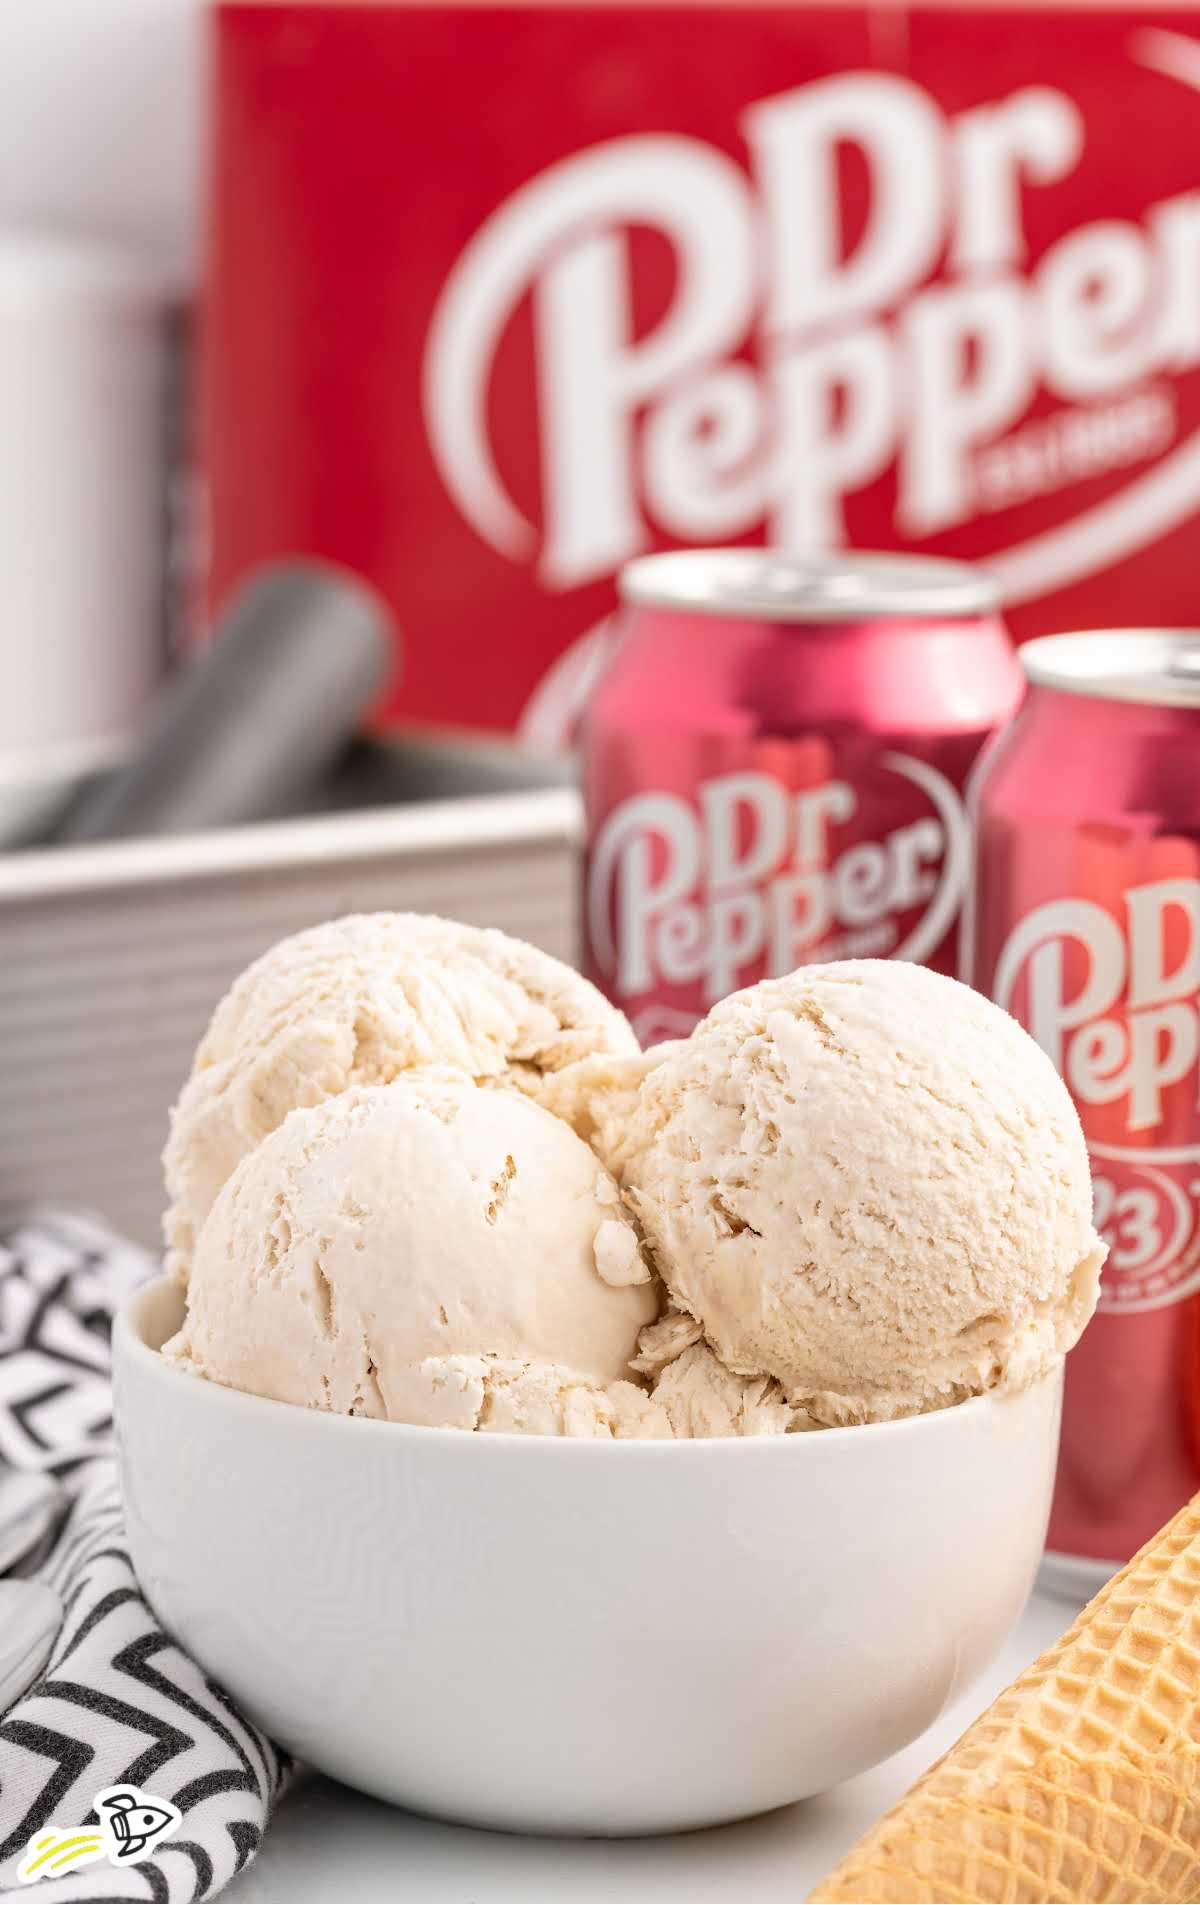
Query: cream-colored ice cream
x,y
359,1002
868,1183
665,1339
701,1397
480,1392
598,1097
698,1394
864,1187
425,1219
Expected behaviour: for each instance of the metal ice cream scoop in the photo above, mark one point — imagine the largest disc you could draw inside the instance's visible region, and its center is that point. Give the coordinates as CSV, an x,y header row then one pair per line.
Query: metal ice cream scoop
x,y
246,731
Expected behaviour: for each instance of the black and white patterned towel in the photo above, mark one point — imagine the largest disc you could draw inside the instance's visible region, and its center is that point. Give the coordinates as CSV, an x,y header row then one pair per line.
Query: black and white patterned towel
x,y
117,1702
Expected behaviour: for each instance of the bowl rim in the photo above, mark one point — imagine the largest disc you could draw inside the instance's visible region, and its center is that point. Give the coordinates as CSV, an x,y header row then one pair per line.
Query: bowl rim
x,y
130,1344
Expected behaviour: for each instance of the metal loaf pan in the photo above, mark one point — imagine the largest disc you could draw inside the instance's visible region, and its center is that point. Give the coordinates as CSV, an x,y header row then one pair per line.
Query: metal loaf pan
x,y
113,957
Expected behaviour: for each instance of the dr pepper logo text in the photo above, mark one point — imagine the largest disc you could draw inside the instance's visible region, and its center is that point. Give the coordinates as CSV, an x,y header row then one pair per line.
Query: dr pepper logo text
x,y
1114,1001
800,360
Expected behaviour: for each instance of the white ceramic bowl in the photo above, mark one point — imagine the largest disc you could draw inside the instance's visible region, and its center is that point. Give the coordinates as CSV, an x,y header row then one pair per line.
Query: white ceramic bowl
x,y
582,1637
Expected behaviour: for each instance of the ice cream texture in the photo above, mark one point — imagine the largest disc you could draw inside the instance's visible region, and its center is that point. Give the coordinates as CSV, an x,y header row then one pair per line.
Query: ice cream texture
x,y
423,1251
360,1001
867,1183
529,1398
598,1097
422,1172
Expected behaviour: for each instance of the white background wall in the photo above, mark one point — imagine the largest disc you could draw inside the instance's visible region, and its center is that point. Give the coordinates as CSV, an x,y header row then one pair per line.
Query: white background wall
x,y
100,115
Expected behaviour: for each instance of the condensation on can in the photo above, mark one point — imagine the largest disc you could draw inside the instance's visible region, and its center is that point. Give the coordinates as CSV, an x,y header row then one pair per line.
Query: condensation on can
x,y
773,764
1084,921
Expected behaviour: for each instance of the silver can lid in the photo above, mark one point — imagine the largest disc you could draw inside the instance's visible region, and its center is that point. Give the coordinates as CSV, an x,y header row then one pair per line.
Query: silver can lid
x,y
1158,666
844,586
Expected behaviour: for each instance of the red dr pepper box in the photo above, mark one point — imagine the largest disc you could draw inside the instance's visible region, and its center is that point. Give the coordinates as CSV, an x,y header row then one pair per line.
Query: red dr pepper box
x,y
503,296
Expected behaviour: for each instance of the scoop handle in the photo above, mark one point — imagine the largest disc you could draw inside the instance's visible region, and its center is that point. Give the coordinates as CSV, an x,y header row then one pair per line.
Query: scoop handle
x,y
247,729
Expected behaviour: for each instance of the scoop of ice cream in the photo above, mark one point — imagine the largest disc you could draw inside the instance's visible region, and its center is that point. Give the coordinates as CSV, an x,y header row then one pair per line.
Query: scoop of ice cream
x,y
481,1393
598,1095
866,1181
665,1339
359,1002
424,1219
701,1397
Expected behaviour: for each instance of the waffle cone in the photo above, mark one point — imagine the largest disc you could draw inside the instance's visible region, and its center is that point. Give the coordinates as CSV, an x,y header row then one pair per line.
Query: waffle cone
x,y
1082,1781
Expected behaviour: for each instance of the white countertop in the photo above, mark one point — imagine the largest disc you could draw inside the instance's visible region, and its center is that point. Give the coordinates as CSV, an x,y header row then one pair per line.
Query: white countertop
x,y
327,1843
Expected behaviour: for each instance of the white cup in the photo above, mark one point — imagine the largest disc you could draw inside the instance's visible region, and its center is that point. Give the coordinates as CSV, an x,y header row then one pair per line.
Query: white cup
x,y
83,432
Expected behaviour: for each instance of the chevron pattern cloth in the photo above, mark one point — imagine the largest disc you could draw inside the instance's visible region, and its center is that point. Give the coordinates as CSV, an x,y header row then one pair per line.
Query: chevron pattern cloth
x,y
117,1701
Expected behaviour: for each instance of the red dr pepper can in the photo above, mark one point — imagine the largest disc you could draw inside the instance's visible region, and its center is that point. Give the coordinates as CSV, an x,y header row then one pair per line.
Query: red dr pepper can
x,y
1084,922
774,761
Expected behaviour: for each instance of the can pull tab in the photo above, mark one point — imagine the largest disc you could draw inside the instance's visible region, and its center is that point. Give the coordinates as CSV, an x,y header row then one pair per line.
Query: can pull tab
x,y
815,584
